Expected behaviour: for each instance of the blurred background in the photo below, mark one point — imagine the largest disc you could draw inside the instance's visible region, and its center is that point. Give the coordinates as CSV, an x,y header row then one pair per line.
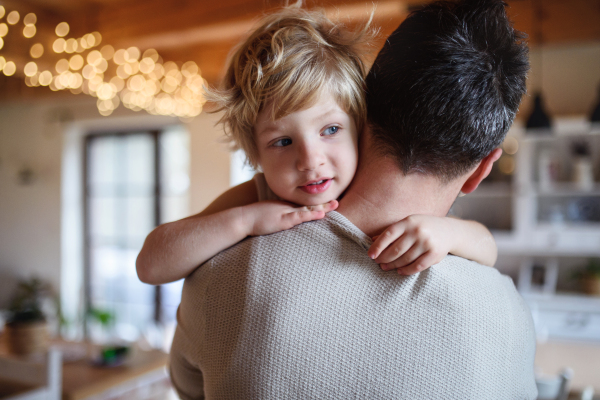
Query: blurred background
x,y
104,134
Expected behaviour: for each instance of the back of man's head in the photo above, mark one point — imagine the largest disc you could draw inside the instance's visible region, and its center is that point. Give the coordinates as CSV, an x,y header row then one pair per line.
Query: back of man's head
x,y
446,86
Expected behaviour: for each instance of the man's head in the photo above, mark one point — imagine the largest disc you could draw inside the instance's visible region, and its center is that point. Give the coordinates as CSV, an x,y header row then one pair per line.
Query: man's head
x,y
446,86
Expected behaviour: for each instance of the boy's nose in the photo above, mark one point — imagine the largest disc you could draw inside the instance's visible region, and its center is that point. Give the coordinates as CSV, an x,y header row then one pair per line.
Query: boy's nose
x,y
309,158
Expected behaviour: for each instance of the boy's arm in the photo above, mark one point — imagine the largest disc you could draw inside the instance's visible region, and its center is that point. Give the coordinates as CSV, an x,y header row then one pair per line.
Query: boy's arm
x,y
419,241
173,250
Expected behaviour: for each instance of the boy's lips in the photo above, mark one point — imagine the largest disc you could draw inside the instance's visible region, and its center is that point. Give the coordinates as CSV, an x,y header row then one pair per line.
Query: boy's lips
x,y
316,187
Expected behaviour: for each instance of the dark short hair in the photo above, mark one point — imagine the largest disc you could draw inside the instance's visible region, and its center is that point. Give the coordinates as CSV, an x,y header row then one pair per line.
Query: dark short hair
x,y
446,86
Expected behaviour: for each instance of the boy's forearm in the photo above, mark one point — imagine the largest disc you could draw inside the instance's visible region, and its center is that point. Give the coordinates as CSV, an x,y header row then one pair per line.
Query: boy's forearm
x,y
172,251
473,241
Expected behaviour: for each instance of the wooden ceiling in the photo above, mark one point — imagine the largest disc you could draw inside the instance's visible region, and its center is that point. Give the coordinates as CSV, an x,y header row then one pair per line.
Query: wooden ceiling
x,y
204,31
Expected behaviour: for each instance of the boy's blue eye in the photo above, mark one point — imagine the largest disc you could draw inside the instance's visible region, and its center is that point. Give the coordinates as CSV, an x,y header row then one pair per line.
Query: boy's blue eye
x,y
282,142
331,130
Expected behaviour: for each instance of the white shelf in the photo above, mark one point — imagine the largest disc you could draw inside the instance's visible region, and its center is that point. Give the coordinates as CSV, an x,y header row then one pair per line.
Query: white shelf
x,y
566,189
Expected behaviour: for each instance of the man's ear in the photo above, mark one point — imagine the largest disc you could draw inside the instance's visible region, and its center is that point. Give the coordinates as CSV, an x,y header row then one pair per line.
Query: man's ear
x,y
481,172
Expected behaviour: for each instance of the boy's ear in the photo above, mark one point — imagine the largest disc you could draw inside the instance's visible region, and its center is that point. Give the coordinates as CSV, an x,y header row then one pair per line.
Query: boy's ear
x,y
481,172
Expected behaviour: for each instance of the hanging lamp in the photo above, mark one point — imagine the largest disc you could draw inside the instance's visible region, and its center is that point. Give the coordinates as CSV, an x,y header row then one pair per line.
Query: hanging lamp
x,y
538,119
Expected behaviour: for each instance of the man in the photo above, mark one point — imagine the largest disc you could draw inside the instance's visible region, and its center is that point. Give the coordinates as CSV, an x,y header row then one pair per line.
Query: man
x,y
305,313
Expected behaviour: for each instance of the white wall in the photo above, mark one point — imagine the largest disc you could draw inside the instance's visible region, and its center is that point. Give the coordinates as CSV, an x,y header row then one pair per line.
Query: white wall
x,y
38,136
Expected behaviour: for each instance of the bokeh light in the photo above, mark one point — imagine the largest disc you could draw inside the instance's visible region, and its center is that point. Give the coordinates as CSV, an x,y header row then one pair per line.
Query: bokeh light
x,y
9,68
76,62
30,19
29,31
37,50
510,145
13,17
62,29
30,69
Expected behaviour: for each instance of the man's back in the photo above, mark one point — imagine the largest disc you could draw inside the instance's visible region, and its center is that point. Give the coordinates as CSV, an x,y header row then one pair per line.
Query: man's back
x,y
306,314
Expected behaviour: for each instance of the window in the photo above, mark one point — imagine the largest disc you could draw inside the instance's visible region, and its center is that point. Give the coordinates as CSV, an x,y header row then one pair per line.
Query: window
x,y
133,182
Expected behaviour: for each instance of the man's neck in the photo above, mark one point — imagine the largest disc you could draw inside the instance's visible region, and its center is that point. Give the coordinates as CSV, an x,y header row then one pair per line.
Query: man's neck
x,y
381,195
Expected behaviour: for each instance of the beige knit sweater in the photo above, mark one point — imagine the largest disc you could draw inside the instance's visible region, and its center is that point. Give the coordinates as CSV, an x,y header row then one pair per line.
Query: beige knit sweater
x,y
305,314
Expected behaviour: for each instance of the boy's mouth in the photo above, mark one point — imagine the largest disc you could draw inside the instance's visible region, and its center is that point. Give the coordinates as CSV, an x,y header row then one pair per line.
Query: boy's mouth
x,y
316,187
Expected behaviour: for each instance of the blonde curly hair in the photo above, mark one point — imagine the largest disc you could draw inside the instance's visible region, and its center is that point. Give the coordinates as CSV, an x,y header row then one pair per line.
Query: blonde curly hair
x,y
285,63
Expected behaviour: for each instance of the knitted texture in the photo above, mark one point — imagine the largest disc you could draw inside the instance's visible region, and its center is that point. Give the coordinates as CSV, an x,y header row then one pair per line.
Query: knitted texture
x,y
306,314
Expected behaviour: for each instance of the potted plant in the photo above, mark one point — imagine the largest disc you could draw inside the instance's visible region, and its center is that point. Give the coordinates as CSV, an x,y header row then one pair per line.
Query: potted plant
x,y
26,327
590,277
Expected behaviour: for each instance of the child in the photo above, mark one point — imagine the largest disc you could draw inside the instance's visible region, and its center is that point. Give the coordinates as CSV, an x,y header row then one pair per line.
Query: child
x,y
294,101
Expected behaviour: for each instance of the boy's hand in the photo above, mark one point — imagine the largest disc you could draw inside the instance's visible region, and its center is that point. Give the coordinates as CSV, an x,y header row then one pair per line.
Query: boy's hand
x,y
413,244
267,217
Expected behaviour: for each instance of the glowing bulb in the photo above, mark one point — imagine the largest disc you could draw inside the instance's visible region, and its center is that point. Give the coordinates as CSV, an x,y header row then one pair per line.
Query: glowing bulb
x,y
97,38
134,54
71,45
107,52
119,57
9,69
101,66
76,62
62,66
511,145
147,65
29,31
30,19
124,71
94,57
45,78
1,43
3,29
62,29
13,17
88,71
506,165
30,69
37,50
82,43
59,45
152,54
2,11
118,83
189,69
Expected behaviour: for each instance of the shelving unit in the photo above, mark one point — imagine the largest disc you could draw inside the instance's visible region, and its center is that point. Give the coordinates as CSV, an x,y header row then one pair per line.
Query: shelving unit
x,y
546,224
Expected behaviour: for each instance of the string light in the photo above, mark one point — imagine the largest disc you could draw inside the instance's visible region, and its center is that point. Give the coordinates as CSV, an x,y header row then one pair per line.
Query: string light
x,y
30,69
30,19
139,80
36,51
29,31
9,68
13,17
62,29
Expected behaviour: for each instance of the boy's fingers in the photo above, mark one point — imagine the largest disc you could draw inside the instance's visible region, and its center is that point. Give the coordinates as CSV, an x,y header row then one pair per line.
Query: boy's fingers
x,y
330,206
384,241
420,264
298,217
395,251
410,252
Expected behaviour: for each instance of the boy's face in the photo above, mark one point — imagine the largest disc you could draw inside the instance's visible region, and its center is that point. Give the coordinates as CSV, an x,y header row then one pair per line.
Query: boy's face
x,y
309,157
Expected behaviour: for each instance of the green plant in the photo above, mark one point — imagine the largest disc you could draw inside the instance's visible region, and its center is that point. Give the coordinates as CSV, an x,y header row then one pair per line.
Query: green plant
x,y
26,305
591,270
104,317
